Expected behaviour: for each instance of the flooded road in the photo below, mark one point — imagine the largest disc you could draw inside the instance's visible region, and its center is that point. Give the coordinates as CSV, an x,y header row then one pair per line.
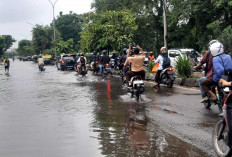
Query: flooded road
x,y
59,114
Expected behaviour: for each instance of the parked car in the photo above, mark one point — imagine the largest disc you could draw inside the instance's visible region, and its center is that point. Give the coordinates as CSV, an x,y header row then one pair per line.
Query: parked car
x,y
191,54
24,58
65,62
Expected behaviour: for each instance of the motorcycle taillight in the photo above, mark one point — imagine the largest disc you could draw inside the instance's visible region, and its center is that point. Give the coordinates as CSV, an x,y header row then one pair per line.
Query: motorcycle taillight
x,y
170,69
107,65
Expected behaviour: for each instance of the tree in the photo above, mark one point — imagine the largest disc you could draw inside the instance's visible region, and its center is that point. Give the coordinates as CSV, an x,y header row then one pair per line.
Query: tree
x,y
65,46
6,41
42,37
109,30
70,26
25,48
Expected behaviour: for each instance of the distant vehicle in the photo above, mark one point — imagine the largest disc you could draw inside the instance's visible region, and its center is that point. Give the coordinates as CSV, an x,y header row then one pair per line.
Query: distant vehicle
x,y
29,58
191,54
24,58
65,62
35,58
47,59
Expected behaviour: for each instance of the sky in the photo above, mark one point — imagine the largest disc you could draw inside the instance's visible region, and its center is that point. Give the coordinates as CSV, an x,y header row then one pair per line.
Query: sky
x,y
17,17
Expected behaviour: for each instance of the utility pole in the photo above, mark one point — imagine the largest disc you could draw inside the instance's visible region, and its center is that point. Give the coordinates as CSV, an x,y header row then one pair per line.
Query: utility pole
x,y
54,27
165,23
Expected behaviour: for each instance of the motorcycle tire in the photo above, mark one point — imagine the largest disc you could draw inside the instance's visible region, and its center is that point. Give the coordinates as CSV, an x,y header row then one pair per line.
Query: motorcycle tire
x,y
169,83
219,145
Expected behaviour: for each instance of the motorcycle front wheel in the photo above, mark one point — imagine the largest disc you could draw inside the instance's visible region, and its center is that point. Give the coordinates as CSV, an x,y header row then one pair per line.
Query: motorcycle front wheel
x,y
220,137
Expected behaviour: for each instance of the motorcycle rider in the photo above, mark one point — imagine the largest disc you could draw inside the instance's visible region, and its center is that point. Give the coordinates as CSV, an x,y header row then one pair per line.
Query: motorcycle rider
x,y
208,60
151,56
94,58
221,63
115,57
6,63
136,62
122,60
81,61
105,59
40,61
164,62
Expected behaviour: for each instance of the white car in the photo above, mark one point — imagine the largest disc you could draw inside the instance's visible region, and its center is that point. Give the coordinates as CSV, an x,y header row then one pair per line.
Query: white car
x,y
174,54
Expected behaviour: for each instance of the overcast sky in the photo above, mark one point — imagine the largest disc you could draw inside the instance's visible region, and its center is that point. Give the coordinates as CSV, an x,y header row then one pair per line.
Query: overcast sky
x,y
15,15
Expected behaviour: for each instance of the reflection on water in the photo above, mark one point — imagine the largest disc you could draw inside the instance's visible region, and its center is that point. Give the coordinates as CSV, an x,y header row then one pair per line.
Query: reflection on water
x,y
61,114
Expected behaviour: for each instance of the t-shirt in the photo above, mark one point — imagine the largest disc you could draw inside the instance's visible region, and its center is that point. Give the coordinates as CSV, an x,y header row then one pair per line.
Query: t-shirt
x,y
136,63
40,61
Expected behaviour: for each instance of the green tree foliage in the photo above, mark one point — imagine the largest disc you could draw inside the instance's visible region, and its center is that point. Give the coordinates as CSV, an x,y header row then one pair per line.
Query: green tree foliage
x,y
70,26
6,41
25,48
43,37
65,46
111,30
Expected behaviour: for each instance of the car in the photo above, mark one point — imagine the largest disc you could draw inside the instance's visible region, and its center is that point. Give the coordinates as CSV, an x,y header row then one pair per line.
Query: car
x,y
65,62
191,54
47,59
24,58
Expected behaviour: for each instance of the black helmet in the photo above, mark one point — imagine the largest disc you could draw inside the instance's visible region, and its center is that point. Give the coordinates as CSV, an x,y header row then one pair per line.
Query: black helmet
x,y
124,50
81,54
104,52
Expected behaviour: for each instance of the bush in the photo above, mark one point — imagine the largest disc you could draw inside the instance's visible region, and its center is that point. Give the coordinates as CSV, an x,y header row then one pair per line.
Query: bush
x,y
184,67
150,66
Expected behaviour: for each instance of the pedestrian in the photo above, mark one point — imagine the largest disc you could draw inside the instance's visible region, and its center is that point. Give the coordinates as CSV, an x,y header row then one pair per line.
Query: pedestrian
x,y
6,63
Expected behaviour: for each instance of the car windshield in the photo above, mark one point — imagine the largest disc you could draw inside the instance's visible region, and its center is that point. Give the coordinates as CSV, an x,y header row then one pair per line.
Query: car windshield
x,y
68,58
173,54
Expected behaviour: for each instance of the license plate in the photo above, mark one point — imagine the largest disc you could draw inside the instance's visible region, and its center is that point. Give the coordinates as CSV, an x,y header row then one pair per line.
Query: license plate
x,y
138,82
107,68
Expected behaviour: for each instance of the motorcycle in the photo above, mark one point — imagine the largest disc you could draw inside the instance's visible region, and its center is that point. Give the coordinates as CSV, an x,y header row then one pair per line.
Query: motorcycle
x,y
220,134
112,63
137,87
167,77
96,67
83,70
221,93
106,70
41,67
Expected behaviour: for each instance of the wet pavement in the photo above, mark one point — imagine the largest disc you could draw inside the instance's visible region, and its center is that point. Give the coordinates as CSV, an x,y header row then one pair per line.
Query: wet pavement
x,y
58,114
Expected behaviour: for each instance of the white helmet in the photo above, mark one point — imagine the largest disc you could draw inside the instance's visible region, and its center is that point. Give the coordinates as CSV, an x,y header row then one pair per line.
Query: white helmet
x,y
216,49
213,41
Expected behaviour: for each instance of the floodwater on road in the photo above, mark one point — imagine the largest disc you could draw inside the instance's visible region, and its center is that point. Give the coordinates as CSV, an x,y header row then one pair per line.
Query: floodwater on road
x,y
60,114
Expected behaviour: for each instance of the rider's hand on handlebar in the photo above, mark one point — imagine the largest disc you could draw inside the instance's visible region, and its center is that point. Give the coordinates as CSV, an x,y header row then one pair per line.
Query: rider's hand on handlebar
x,y
224,82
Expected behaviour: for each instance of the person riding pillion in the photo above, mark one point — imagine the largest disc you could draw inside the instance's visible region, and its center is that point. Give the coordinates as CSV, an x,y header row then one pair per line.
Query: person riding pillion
x,y
136,62
164,62
221,63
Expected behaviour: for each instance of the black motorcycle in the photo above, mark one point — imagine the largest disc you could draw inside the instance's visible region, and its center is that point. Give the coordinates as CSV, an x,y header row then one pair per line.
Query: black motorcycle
x,y
83,70
136,87
167,77
221,93
106,70
41,67
96,67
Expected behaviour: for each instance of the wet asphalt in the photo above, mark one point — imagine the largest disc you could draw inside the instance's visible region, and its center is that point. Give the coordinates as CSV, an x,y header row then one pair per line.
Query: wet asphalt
x,y
60,114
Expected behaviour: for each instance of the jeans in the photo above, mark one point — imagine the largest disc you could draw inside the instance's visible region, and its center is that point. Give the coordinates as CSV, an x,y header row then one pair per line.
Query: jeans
x,y
199,83
101,69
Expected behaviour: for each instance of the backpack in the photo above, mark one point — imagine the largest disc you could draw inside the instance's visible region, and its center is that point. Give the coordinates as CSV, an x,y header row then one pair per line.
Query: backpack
x,y
82,60
166,62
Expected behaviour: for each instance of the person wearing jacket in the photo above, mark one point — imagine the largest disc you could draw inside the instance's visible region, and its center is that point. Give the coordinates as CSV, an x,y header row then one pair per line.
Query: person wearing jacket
x,y
221,63
160,60
104,60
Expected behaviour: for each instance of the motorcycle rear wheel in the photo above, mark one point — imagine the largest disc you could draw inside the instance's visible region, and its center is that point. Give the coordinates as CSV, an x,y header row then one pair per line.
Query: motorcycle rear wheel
x,y
220,145
169,83
207,104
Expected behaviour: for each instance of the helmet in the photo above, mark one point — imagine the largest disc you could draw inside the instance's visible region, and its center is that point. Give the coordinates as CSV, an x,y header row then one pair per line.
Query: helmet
x,y
213,41
81,54
104,52
163,50
216,49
